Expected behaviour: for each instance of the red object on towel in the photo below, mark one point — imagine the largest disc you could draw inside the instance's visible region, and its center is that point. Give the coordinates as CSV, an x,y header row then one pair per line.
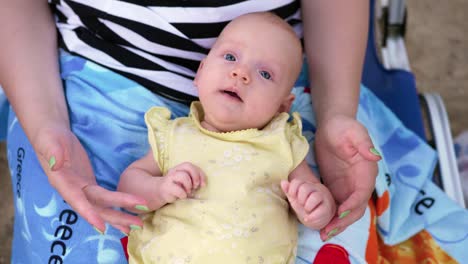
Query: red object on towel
x,y
332,253
124,241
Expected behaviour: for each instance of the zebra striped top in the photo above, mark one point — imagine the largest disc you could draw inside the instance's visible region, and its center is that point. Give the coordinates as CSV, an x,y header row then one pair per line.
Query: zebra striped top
x,y
157,43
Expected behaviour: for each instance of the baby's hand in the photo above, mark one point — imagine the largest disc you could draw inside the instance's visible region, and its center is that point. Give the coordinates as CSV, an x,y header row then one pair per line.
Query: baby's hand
x,y
312,202
180,182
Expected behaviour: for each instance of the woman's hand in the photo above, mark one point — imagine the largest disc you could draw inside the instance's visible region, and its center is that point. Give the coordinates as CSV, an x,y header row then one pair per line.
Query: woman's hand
x,y
69,171
347,162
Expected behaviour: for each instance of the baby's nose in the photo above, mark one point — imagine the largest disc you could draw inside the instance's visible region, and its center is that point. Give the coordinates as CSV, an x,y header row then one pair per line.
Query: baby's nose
x,y
241,74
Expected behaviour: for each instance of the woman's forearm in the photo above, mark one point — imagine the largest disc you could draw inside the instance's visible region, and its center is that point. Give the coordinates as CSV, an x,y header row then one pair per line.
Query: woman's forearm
x,y
29,70
335,35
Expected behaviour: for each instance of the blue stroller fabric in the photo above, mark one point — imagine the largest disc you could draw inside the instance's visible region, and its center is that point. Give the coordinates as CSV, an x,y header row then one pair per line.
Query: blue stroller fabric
x,y
106,112
3,114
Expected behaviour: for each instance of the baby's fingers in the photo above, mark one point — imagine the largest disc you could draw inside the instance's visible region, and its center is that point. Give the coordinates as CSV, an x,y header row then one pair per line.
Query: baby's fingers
x,y
285,186
298,208
293,189
175,192
305,191
312,202
198,179
183,179
196,174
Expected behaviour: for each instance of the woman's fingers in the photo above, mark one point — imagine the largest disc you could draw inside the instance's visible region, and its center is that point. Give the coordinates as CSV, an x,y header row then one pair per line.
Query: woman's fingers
x,y
69,171
118,218
104,202
105,198
367,150
124,229
362,142
357,199
59,147
341,221
55,158
101,212
77,199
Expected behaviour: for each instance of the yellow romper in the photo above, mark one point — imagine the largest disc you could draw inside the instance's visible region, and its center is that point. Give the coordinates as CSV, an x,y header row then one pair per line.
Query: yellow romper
x,y
241,215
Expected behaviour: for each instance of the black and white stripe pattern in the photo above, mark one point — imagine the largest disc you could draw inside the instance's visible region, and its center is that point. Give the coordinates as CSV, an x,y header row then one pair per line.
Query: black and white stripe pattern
x,y
157,43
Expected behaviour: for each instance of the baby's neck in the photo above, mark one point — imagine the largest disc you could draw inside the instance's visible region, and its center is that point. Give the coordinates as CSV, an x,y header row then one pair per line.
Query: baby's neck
x,y
206,125
209,127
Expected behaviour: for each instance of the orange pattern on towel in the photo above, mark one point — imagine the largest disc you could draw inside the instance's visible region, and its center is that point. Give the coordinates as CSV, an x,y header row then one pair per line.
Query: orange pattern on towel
x,y
372,248
383,202
420,248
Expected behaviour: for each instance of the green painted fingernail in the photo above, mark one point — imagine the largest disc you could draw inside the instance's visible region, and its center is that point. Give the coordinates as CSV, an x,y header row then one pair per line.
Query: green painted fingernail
x,y
141,208
344,214
331,233
51,162
135,227
374,151
97,230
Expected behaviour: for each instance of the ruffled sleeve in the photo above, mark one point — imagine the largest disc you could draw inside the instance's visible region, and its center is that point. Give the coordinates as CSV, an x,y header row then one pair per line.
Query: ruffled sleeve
x,y
157,120
298,143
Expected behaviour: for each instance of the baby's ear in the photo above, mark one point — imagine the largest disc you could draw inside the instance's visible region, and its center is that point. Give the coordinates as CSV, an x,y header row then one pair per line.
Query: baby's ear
x,y
286,104
198,72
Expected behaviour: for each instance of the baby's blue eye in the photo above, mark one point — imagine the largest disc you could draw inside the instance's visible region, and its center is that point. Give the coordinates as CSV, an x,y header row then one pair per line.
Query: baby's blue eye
x,y
265,75
229,57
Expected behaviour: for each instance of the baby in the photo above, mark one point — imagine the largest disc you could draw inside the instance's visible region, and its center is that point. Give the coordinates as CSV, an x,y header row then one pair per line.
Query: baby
x,y
219,183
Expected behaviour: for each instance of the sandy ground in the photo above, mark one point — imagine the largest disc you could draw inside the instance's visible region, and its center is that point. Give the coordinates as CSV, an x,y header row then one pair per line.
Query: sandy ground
x,y
437,46
6,208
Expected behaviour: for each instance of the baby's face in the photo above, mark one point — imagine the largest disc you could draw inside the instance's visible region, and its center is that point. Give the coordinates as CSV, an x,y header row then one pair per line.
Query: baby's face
x,y
248,75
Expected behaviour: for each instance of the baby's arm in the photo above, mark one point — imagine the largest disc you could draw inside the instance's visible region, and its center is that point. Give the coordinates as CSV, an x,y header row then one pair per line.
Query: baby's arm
x,y
144,177
312,201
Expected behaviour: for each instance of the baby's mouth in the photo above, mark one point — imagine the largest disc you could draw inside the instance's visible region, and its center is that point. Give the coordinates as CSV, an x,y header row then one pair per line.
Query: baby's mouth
x,y
232,94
